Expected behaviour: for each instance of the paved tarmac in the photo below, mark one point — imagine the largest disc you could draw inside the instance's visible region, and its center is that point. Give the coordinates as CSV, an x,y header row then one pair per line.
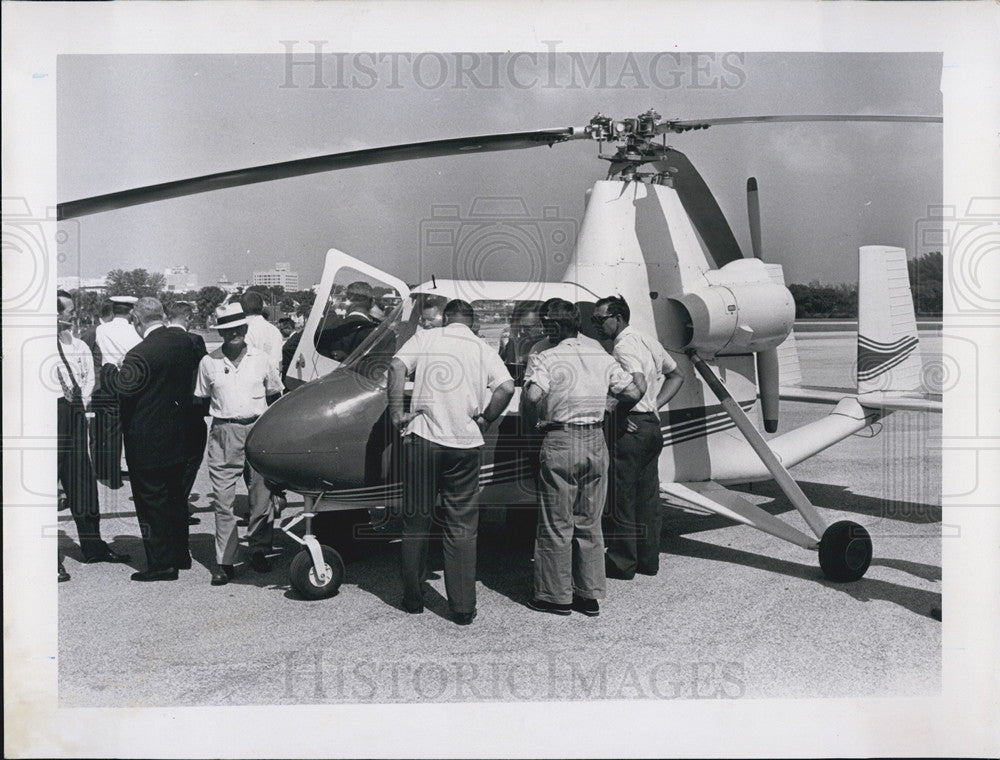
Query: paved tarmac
x,y
734,613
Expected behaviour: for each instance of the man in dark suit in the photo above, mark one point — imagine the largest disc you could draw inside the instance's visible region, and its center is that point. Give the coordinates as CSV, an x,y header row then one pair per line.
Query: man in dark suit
x,y
155,388
179,314
339,341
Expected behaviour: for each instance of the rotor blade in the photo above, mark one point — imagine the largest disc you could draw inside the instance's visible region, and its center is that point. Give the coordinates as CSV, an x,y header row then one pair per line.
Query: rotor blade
x,y
701,206
753,214
330,162
678,125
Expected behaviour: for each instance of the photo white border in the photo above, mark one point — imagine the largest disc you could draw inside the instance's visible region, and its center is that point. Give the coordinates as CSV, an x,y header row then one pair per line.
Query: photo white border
x,y
963,721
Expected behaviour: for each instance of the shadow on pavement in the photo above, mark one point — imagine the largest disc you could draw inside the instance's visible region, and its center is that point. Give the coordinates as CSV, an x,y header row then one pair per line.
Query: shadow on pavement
x,y
917,601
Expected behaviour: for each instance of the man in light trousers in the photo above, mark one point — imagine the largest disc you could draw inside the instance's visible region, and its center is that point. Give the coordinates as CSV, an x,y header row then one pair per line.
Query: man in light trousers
x,y
572,381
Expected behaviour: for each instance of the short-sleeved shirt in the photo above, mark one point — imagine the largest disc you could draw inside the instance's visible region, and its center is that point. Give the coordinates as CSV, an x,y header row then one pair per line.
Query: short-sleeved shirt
x,y
115,339
638,353
237,391
264,337
575,377
454,376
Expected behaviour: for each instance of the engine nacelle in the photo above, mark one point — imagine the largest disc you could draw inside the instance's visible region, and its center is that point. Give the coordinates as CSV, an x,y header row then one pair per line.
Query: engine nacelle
x,y
735,317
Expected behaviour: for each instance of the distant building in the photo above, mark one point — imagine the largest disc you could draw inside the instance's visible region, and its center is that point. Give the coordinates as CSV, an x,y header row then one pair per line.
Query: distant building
x,y
179,279
74,282
280,275
228,285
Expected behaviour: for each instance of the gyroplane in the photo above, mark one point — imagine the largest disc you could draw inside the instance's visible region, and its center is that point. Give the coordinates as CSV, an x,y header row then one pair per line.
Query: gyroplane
x,y
651,232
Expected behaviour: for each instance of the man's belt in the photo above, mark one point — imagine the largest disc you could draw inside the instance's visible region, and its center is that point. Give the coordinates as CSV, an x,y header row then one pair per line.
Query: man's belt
x,y
547,426
644,414
237,420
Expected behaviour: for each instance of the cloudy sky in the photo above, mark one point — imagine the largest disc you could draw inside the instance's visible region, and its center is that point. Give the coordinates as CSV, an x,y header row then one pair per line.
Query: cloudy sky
x,y
126,121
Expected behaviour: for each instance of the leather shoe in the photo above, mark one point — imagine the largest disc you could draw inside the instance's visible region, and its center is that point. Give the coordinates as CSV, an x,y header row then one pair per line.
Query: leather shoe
x,y
222,574
192,520
148,576
63,575
588,607
413,609
260,562
644,571
542,606
464,618
109,555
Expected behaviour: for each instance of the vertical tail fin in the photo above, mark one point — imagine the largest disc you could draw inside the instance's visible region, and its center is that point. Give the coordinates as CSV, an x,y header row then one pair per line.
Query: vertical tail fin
x,y
789,368
888,353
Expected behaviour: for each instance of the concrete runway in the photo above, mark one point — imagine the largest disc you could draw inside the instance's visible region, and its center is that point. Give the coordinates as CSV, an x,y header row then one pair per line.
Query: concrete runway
x,y
734,613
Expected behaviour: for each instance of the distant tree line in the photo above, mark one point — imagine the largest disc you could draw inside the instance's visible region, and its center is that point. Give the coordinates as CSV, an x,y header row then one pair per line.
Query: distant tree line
x,y
816,300
141,283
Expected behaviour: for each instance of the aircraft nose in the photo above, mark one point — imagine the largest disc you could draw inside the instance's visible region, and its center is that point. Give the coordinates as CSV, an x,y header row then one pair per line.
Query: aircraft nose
x,y
322,435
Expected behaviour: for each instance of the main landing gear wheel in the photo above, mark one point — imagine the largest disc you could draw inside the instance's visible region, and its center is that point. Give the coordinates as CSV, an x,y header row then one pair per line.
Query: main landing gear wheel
x,y
306,581
845,551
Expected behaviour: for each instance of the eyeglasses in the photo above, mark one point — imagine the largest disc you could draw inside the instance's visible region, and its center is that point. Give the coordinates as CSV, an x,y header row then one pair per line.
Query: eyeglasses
x,y
599,321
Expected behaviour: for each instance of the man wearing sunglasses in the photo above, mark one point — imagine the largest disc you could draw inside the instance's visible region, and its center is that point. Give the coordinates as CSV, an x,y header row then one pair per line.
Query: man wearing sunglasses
x,y
632,533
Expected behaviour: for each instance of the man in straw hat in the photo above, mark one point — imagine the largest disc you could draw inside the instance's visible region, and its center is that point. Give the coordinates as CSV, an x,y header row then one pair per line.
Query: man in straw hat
x,y
237,380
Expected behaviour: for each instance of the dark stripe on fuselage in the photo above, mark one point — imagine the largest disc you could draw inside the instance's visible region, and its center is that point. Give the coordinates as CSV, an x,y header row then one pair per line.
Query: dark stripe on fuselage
x,y
683,425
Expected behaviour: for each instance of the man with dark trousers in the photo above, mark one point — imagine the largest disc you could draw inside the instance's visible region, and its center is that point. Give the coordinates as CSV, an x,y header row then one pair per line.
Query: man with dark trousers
x,y
114,339
632,535
179,315
155,388
75,372
442,446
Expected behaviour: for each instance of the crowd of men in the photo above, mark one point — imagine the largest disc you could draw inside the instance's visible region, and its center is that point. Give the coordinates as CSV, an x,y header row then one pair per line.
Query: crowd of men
x,y
588,418
157,383
568,380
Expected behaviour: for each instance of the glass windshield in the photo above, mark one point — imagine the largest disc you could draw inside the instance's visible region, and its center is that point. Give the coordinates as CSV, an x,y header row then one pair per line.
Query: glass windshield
x,y
372,358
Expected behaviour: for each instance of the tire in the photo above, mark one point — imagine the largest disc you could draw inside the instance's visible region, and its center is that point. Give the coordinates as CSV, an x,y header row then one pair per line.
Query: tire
x,y
303,575
845,551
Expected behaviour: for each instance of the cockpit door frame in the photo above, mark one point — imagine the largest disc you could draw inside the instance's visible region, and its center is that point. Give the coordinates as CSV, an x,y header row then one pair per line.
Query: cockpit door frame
x,y
307,363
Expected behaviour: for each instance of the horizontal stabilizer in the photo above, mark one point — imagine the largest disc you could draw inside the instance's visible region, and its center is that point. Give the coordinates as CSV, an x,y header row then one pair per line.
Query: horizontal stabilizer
x,y
887,401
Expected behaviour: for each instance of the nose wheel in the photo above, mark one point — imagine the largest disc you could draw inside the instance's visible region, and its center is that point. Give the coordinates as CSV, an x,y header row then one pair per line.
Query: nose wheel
x,y
845,551
317,582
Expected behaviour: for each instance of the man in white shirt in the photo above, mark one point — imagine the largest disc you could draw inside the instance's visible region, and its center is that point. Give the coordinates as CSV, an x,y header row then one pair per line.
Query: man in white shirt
x,y
569,384
114,340
460,387
633,515
261,335
75,371
237,380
